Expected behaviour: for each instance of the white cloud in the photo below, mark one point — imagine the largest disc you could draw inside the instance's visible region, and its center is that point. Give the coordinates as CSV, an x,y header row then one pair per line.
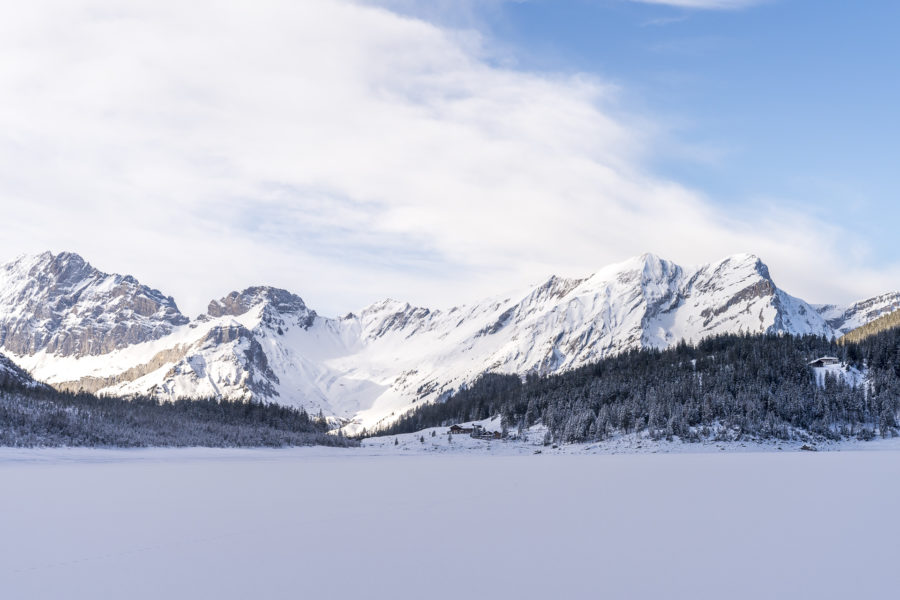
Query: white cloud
x,y
705,4
341,151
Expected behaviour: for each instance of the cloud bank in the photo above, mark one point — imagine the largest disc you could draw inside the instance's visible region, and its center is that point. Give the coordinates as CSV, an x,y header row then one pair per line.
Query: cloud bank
x,y
345,152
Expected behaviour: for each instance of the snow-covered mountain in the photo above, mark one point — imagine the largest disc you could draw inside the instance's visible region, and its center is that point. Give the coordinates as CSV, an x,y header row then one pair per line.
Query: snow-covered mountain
x,y
62,305
109,334
844,319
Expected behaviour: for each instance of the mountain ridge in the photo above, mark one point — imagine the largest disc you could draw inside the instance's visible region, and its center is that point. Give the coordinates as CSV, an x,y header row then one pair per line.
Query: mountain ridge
x,y
369,366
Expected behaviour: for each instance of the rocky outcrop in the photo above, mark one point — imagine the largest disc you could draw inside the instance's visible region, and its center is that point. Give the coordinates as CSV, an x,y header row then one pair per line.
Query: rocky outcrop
x,y
238,303
758,289
64,306
92,384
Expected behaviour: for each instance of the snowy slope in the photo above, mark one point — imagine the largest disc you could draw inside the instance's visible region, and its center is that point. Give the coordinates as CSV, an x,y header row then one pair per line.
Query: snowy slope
x,y
13,376
850,375
369,367
561,324
844,319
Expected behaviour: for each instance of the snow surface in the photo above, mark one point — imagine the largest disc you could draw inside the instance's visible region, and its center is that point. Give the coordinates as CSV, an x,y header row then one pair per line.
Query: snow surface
x,y
332,523
532,442
850,375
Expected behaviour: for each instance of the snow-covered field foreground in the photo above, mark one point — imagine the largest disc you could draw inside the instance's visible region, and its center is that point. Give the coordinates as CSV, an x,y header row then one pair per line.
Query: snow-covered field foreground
x,y
333,523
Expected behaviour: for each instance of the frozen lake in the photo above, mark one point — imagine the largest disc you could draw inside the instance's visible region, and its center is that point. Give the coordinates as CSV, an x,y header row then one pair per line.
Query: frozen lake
x,y
340,524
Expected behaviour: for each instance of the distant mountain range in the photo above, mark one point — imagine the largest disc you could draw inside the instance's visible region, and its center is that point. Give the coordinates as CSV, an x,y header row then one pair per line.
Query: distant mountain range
x,y
75,327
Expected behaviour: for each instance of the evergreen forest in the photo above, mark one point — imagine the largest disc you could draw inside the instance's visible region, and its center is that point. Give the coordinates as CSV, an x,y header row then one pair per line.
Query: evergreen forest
x,y
729,387
41,416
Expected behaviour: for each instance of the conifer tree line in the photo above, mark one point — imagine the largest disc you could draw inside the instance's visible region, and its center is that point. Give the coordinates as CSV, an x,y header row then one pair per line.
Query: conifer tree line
x,y
882,323
726,387
42,416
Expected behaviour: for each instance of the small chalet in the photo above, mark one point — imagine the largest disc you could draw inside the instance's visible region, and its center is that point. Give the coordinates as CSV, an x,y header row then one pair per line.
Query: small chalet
x,y
476,431
824,361
483,434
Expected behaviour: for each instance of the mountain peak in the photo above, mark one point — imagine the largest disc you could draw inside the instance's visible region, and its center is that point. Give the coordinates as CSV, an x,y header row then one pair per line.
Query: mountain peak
x,y
238,303
738,267
648,272
386,306
64,262
746,260
62,304
649,258
648,264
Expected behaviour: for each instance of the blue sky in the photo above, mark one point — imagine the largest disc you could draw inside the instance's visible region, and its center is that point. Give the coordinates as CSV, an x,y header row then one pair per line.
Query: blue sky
x,y
785,101
442,151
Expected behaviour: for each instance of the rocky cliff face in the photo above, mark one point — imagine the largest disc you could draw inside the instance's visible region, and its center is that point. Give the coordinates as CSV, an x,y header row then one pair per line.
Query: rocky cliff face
x,y
844,319
81,329
276,301
62,305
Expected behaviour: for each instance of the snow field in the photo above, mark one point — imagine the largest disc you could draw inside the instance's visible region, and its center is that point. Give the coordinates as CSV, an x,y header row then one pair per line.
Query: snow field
x,y
346,523
640,443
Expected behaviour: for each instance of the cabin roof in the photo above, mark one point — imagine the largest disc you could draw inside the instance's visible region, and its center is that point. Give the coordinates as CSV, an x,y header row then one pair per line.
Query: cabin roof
x,y
825,359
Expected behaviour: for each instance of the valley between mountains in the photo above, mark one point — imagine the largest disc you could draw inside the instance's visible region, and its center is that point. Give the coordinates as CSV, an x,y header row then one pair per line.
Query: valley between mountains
x,y
74,327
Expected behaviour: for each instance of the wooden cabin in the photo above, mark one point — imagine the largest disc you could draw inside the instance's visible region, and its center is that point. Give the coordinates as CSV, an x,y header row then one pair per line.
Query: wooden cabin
x,y
824,361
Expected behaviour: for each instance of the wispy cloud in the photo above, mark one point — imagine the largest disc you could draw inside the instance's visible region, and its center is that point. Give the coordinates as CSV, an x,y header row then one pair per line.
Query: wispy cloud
x,y
342,151
705,4
663,21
